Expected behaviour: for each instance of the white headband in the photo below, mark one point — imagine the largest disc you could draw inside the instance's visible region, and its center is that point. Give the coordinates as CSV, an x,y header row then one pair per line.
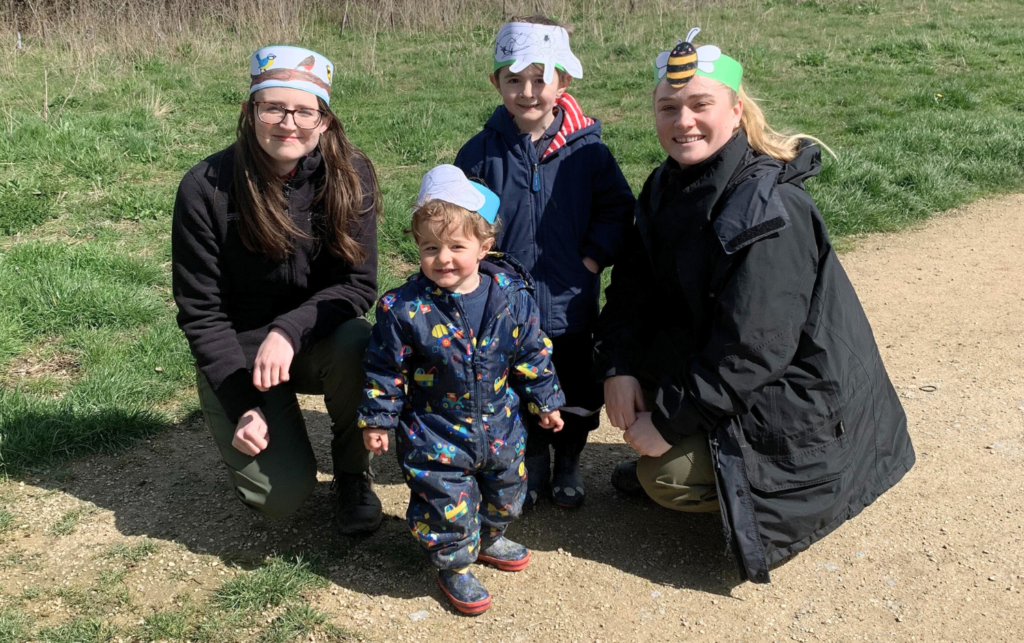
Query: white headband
x,y
521,44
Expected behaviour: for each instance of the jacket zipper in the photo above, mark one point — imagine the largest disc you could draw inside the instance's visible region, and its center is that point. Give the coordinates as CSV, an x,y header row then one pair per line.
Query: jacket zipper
x,y
469,336
722,508
536,178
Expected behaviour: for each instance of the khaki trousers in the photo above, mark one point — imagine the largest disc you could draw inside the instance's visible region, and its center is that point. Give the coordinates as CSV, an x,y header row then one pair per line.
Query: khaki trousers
x,y
278,480
683,478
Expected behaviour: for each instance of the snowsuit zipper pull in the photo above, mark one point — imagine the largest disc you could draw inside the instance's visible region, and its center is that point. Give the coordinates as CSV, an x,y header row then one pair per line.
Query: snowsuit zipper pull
x,y
536,178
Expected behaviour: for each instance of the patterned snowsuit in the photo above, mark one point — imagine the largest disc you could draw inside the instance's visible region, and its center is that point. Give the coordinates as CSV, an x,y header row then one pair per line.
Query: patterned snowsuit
x,y
453,400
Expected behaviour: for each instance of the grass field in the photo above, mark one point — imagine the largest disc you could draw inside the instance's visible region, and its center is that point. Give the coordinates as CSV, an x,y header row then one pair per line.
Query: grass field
x,y
920,100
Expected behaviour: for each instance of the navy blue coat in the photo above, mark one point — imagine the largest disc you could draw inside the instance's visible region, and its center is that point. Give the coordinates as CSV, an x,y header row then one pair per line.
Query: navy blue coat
x,y
573,203
426,373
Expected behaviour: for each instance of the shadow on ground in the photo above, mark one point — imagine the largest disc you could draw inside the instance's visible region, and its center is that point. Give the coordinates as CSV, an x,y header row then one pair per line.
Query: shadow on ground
x,y
173,487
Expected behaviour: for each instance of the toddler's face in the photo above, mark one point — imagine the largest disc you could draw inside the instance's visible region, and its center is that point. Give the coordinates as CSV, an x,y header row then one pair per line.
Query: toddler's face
x,y
452,262
528,98
696,120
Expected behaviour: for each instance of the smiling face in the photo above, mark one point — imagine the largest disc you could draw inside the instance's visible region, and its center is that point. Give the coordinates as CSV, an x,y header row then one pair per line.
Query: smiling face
x,y
451,262
528,98
284,142
696,120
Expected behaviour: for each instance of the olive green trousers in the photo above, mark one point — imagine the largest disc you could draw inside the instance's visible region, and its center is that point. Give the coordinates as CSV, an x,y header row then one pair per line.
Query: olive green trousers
x,y
278,480
683,478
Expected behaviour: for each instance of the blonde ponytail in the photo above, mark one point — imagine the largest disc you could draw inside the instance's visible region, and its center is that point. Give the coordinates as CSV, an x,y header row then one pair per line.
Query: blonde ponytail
x,y
764,139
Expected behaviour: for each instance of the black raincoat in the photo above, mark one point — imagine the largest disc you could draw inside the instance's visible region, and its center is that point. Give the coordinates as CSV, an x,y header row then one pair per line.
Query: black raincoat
x,y
729,302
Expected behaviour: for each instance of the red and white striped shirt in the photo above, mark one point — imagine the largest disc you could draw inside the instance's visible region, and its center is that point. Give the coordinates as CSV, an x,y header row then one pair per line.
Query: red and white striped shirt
x,y
574,121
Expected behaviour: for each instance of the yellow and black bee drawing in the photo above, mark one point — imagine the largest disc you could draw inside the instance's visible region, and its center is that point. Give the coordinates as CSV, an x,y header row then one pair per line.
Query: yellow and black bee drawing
x,y
682,61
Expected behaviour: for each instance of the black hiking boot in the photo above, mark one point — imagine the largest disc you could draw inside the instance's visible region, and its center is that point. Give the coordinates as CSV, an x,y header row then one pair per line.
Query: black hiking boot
x,y
624,479
358,508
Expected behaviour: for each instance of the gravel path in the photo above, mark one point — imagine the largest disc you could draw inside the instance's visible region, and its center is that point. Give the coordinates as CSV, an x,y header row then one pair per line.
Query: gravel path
x,y
938,558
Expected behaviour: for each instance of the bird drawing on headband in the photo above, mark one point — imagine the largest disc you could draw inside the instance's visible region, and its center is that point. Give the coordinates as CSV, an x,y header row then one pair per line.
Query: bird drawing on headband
x,y
266,63
307,63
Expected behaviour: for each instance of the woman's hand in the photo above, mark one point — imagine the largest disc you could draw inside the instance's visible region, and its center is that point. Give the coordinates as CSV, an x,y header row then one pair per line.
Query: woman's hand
x,y
622,399
273,360
251,434
552,420
375,439
591,265
645,438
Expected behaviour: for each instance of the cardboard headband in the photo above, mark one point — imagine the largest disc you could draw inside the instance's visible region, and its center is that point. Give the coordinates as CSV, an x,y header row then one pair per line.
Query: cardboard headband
x,y
684,62
293,67
448,183
520,44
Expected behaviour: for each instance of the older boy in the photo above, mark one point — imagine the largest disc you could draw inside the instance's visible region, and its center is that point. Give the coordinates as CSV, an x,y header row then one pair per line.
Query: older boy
x,y
565,207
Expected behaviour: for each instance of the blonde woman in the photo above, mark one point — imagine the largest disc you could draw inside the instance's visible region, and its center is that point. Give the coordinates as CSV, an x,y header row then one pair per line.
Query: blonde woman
x,y
738,360
274,252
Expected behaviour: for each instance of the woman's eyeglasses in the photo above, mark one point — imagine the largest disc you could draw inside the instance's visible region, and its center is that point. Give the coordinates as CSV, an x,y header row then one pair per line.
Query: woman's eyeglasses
x,y
273,114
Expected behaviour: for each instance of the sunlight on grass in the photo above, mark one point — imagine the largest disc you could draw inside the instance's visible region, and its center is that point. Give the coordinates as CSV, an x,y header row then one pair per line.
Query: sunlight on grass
x,y
913,97
279,580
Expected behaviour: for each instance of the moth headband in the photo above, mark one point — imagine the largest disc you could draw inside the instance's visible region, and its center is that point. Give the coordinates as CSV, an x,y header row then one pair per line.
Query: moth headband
x,y
520,44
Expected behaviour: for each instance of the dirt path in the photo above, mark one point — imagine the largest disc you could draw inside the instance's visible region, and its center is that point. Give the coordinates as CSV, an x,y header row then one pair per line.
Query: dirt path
x,y
938,558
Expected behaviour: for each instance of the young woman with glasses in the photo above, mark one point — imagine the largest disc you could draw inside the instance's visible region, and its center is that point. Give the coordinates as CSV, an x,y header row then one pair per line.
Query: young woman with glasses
x,y
274,249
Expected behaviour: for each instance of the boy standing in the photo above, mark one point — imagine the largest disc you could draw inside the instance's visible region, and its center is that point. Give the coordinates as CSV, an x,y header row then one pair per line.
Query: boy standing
x,y
565,207
452,352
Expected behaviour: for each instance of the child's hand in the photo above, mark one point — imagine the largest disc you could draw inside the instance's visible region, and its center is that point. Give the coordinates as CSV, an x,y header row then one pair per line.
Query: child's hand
x,y
552,419
375,439
591,265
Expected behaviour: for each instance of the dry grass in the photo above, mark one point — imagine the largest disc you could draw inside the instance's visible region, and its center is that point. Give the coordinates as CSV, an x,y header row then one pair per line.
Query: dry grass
x,y
85,28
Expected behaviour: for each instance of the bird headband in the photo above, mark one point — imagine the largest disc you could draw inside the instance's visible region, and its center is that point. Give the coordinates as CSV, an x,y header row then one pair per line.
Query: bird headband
x,y
294,67
521,44
684,62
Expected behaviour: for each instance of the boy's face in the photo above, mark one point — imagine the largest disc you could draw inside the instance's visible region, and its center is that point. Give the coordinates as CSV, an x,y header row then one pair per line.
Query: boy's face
x,y
452,262
528,98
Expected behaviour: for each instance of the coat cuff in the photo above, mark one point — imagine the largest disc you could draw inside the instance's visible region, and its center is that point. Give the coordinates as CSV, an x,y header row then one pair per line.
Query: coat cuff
x,y
290,330
237,394
686,418
598,254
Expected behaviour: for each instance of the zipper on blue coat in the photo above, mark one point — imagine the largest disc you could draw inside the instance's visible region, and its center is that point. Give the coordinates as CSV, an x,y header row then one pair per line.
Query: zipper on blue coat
x,y
536,178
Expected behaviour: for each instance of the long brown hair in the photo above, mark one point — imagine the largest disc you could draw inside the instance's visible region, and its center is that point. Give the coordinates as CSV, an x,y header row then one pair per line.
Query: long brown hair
x,y
264,224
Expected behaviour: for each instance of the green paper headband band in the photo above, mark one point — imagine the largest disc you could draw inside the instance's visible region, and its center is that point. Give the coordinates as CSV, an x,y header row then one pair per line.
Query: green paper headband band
x,y
505,63
684,62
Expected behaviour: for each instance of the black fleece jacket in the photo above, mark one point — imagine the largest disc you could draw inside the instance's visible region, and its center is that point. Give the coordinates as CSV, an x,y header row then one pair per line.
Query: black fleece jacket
x,y
229,297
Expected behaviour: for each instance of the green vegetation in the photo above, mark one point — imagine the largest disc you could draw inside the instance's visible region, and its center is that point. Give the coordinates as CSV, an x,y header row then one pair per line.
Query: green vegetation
x,y
267,604
14,625
67,522
916,99
131,554
6,520
269,586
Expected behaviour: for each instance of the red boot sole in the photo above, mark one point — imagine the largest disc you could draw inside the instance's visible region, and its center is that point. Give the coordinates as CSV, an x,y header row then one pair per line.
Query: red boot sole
x,y
506,565
472,609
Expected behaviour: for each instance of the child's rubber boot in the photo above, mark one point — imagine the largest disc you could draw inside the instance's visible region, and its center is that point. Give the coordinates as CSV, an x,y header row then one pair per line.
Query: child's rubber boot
x,y
466,593
506,555
538,472
567,489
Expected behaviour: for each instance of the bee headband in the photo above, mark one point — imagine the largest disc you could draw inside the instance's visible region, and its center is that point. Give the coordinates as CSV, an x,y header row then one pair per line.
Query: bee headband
x,y
294,67
684,62
520,44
